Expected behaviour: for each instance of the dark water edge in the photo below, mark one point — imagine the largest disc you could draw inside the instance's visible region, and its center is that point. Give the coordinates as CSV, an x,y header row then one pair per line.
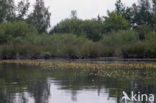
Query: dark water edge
x,y
89,59
32,84
99,59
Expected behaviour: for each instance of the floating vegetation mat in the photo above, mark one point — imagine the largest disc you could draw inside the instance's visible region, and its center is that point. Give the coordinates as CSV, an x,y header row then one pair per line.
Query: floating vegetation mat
x,y
147,71
78,65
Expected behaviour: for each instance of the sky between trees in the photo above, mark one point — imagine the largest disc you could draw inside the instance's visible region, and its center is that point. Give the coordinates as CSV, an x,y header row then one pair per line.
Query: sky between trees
x,y
86,9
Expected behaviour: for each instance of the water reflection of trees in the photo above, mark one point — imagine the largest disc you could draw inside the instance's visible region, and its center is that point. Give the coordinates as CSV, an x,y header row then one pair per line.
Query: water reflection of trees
x,y
37,85
143,81
21,80
40,91
5,97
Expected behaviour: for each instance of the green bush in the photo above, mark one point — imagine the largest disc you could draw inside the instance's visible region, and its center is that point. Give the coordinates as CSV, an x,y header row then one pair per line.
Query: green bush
x,y
20,51
115,22
88,50
150,37
68,26
151,51
107,51
71,46
91,29
67,45
7,52
22,41
142,30
119,38
60,45
94,50
135,50
15,31
150,40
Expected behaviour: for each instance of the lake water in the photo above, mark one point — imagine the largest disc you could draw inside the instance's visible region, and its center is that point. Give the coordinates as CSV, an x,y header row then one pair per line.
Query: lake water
x,y
30,84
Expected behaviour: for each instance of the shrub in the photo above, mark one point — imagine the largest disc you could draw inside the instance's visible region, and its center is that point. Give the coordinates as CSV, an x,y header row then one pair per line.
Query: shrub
x,y
151,51
68,26
107,51
142,30
88,50
71,51
60,45
135,50
20,51
66,44
150,40
13,31
115,22
119,38
91,29
94,50
7,52
151,37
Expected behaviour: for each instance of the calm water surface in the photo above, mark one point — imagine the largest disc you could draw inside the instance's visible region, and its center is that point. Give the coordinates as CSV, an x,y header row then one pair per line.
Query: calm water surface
x,y
29,84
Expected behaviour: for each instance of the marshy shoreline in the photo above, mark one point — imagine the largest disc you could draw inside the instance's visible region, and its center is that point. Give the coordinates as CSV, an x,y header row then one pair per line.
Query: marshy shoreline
x,y
100,69
106,63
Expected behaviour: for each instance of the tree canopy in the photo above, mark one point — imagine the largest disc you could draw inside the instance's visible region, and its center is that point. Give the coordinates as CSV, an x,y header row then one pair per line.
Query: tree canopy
x,y
40,17
7,10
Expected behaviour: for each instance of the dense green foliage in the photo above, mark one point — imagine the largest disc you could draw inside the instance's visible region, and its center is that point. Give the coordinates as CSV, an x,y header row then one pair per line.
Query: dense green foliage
x,y
125,32
120,38
139,17
10,32
20,40
91,29
7,11
115,22
40,17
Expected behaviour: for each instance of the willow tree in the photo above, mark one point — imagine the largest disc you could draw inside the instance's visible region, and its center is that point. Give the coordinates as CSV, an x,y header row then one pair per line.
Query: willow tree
x,y
40,17
7,10
22,9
